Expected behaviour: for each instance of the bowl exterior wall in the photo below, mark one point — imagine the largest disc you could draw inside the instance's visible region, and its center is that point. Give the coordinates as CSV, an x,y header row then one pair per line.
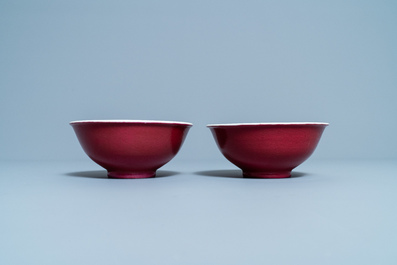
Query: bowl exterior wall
x,y
267,148
130,147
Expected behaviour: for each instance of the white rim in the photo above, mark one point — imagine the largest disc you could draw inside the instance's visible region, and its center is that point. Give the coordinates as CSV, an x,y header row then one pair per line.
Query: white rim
x,y
269,123
132,121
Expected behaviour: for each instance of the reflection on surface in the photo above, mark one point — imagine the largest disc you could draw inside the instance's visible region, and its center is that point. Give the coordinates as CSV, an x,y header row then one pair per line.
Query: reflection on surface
x,y
236,173
102,174
226,173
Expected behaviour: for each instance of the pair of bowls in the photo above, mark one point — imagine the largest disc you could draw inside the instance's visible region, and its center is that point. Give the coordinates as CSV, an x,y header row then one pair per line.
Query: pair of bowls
x,y
137,148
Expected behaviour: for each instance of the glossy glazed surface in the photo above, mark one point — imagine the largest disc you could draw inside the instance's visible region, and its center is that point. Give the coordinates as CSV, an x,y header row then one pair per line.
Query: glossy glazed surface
x,y
130,149
267,150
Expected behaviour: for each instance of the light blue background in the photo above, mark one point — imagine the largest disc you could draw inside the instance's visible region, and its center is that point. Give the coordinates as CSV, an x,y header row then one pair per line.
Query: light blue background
x,y
201,62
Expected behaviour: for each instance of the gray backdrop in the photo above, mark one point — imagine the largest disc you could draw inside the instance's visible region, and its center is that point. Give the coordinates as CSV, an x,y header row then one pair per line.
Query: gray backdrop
x,y
201,62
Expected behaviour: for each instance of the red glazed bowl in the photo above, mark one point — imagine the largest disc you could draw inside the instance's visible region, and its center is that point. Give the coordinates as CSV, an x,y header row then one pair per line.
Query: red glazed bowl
x,y
267,150
130,148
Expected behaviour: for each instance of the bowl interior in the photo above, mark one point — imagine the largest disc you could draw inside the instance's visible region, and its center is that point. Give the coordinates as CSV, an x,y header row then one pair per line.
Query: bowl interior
x,y
266,124
131,122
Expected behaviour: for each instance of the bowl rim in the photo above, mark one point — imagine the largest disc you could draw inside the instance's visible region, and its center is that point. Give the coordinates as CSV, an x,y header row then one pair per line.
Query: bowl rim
x,y
266,123
132,122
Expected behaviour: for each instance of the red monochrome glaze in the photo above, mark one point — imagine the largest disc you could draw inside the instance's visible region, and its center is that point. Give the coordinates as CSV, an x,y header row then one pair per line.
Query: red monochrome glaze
x,y
131,149
267,150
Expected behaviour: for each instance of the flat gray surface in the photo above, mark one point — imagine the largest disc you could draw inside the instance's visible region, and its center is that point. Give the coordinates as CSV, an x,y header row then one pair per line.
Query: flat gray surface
x,y
329,212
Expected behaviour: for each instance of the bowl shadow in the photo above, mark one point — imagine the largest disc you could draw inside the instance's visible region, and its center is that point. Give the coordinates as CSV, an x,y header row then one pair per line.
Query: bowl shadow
x,y
236,173
102,174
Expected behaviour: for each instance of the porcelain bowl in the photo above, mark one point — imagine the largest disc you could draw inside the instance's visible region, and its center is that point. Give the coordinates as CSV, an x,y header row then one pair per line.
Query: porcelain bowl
x,y
267,150
130,148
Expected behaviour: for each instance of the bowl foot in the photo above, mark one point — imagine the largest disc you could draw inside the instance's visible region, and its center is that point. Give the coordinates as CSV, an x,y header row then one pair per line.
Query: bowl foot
x,y
267,175
130,175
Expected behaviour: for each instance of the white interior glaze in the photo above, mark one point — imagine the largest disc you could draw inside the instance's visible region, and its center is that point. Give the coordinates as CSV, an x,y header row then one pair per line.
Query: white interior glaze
x,y
132,121
269,123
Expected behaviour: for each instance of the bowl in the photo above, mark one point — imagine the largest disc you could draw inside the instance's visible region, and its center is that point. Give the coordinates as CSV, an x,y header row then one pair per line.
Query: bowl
x,y
130,148
267,150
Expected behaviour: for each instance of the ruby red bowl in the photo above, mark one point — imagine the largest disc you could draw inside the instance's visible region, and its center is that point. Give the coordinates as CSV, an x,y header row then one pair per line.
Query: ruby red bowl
x,y
267,150
130,148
